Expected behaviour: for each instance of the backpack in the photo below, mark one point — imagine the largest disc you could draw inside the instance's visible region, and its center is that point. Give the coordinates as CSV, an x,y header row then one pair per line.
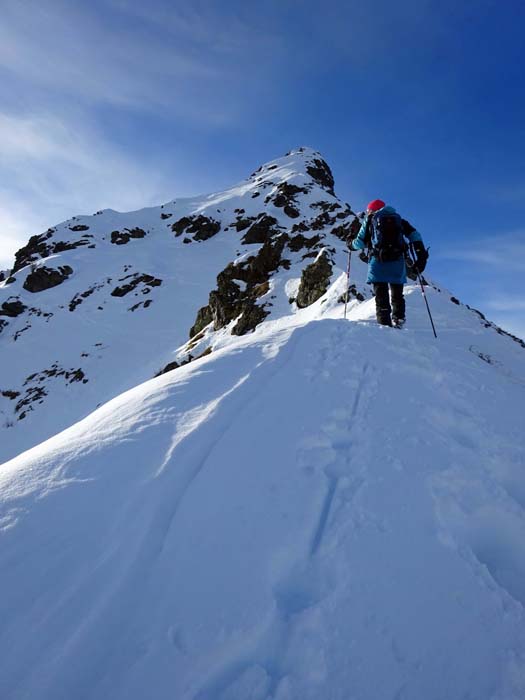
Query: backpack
x,y
387,242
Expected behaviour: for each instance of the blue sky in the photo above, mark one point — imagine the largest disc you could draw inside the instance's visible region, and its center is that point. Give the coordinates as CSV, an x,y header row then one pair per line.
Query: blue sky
x,y
123,104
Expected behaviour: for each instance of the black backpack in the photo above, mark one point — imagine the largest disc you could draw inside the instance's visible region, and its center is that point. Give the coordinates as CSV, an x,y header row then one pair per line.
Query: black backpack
x,y
387,242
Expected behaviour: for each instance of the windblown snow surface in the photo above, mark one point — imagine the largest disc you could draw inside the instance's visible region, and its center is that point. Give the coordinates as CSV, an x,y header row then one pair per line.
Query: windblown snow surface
x,y
322,509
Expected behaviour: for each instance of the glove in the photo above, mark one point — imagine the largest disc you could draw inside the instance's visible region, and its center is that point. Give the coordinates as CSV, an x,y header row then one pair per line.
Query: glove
x,y
421,257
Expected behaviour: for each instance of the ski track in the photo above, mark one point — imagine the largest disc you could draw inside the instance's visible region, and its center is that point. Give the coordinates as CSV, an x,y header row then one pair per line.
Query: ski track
x,y
472,482
264,665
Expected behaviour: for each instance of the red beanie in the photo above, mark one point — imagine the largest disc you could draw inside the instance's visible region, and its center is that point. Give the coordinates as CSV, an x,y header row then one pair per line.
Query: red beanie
x,y
376,205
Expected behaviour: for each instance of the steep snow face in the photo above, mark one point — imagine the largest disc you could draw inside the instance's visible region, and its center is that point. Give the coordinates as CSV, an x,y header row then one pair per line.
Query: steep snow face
x,y
318,509
101,303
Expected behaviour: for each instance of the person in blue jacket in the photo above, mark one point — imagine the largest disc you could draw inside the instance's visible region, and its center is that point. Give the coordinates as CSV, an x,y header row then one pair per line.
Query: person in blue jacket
x,y
382,234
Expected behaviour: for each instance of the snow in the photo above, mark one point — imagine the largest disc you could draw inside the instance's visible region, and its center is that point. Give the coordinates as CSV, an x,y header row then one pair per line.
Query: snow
x,y
117,347
323,508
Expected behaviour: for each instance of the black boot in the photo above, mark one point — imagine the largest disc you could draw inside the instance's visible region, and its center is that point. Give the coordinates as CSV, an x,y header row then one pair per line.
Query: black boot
x,y
398,304
382,303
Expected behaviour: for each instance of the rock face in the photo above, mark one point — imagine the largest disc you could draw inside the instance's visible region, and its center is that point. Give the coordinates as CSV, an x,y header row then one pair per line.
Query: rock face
x,y
201,227
204,318
148,281
46,277
123,237
147,273
229,300
263,228
12,309
320,171
314,281
41,246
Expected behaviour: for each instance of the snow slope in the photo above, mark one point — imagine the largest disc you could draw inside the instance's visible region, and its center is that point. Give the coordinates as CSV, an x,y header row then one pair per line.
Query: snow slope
x,y
77,345
323,508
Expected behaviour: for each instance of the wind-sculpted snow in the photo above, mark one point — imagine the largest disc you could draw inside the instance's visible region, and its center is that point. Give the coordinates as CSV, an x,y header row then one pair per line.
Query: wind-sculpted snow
x,y
320,509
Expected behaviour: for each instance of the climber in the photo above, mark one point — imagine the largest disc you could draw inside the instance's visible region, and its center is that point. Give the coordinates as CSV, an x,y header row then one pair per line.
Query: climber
x,y
383,234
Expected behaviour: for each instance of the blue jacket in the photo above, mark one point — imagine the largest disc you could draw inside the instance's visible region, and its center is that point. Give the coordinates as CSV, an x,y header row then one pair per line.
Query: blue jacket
x,y
392,272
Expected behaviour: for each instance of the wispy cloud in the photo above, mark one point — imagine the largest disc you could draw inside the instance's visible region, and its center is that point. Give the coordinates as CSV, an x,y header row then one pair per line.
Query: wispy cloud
x,y
505,251
52,170
193,63
508,303
72,73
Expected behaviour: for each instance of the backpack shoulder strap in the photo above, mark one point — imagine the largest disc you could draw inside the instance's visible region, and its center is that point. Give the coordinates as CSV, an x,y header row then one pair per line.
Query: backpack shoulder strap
x,y
407,227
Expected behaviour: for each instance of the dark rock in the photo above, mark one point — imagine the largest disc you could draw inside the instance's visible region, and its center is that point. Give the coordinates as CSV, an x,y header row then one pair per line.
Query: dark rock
x,y
319,171
79,298
168,368
147,280
12,309
321,221
250,318
181,225
301,227
352,292
10,280
204,318
10,394
79,227
46,277
35,248
165,216
454,300
256,194
228,301
291,211
123,237
3,324
39,247
261,230
201,227
242,224
299,242
315,279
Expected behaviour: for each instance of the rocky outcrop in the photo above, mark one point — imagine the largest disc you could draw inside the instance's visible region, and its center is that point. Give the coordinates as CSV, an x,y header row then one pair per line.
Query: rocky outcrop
x,y
12,309
250,318
315,279
320,171
46,277
39,247
123,237
204,318
285,198
200,227
148,281
238,288
298,242
259,232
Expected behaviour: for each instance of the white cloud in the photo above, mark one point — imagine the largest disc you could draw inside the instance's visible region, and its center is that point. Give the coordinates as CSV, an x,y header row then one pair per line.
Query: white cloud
x,y
53,169
504,251
191,64
507,303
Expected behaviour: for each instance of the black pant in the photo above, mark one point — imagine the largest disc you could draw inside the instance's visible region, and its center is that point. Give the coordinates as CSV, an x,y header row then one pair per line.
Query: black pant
x,y
383,309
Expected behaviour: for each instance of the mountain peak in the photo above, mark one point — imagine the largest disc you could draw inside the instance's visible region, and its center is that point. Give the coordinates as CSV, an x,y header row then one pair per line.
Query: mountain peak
x,y
303,164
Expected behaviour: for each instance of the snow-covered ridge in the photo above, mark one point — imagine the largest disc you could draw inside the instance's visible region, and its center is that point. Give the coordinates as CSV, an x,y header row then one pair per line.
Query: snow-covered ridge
x,y
100,303
318,509
307,507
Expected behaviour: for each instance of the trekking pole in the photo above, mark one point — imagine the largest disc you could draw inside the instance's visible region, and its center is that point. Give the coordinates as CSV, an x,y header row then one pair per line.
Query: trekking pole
x,y
347,278
411,249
